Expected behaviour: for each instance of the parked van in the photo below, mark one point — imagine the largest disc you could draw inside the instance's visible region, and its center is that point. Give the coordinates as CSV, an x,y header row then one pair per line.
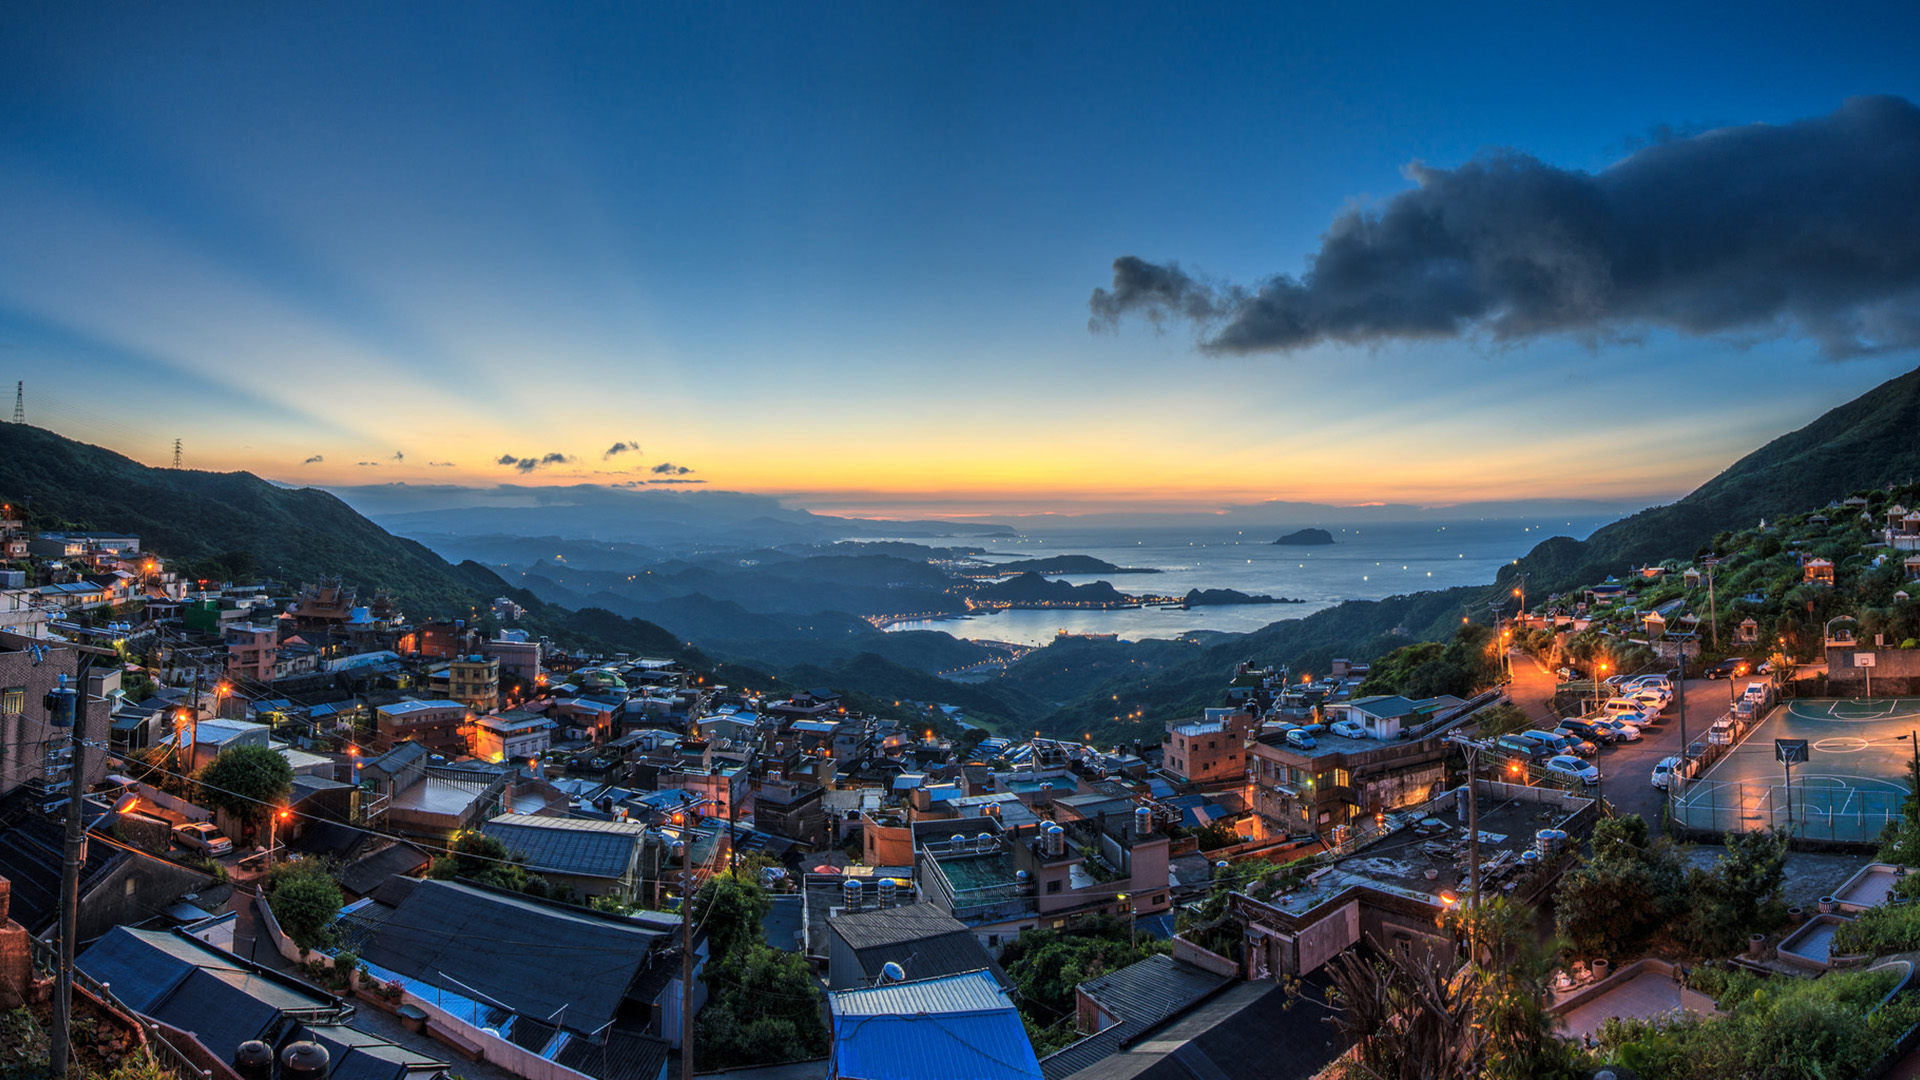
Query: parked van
x,y
1552,742
1520,746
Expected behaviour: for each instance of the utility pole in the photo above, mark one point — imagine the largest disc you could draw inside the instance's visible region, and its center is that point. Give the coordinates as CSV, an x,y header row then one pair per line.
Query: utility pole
x,y
20,402
1713,619
67,704
176,453
686,948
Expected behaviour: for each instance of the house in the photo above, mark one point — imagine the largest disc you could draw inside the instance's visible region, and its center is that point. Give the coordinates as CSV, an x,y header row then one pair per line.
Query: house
x,y
923,940
201,993
207,739
1819,571
252,651
28,670
531,970
117,884
1000,881
960,1027
1116,1009
439,725
1249,1029
1339,780
595,858
512,736
474,681
414,795
795,811
1213,750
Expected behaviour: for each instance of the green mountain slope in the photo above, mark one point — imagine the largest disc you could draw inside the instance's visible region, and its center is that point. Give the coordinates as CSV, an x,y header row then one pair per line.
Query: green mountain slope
x,y
237,520
1870,441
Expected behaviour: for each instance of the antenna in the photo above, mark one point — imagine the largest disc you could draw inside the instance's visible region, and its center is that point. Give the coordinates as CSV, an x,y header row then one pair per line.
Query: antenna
x,y
176,453
20,402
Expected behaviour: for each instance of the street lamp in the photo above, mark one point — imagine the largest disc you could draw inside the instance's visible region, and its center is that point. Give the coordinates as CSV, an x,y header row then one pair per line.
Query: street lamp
x,y
1133,934
273,821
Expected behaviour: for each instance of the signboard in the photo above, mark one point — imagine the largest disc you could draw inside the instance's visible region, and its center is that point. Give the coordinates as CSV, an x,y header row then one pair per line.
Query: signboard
x,y
1791,751
1863,659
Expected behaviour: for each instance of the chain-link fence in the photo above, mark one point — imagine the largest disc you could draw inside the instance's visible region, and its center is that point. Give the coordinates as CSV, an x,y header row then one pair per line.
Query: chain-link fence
x,y
1816,811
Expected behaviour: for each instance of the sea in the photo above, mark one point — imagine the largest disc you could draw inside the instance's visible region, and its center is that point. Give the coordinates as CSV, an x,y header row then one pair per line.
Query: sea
x,y
1365,562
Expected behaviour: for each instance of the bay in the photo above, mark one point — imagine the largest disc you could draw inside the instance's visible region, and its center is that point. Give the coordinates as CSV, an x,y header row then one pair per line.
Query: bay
x,y
1365,562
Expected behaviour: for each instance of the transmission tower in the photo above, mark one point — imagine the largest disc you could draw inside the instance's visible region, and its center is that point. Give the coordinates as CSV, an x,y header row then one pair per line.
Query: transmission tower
x,y
20,402
176,453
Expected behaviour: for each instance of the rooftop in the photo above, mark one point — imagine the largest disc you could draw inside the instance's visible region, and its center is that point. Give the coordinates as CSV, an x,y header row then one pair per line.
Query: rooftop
x,y
960,1025
568,845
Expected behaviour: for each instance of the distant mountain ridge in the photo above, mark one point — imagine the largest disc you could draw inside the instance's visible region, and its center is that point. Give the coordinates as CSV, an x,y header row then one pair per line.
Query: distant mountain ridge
x,y
1870,441
294,534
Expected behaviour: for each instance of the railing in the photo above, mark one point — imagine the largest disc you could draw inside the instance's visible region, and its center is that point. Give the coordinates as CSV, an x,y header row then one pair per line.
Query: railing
x,y
46,957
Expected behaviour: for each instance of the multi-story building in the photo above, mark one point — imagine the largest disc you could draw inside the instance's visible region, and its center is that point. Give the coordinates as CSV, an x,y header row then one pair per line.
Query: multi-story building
x,y
251,651
1000,881
1212,750
1300,790
474,680
31,748
438,725
511,736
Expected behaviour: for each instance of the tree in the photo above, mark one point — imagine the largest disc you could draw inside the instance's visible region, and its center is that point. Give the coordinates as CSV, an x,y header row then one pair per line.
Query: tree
x,y
246,782
1622,896
731,909
763,1008
1501,719
305,903
482,858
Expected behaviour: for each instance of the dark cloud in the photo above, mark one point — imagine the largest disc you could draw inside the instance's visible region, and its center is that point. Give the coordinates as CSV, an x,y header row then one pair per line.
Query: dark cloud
x,y
370,464
528,464
314,460
1810,228
628,446
399,455
675,480
668,468
439,464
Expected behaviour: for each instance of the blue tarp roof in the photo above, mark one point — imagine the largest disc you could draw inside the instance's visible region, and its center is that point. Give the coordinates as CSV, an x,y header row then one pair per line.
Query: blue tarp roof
x,y
958,1026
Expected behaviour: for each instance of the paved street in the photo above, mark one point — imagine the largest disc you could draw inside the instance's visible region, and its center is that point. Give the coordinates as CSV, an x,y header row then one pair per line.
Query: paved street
x,y
1626,769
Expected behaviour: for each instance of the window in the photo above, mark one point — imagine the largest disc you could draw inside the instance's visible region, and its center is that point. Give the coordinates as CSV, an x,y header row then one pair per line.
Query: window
x,y
13,700
1054,885
1159,898
993,941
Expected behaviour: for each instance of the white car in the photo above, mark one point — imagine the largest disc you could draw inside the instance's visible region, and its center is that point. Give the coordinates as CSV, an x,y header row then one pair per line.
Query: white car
x,y
1352,729
1568,765
1668,767
1633,712
1622,730
201,836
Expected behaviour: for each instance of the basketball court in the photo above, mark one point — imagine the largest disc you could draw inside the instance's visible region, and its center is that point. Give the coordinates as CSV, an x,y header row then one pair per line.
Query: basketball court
x,y
1849,787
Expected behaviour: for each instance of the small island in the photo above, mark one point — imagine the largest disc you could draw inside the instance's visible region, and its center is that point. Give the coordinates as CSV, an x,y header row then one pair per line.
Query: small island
x,y
1070,564
1307,536
1215,597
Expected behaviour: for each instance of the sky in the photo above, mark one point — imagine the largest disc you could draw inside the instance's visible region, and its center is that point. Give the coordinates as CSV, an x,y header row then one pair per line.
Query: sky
x,y
848,254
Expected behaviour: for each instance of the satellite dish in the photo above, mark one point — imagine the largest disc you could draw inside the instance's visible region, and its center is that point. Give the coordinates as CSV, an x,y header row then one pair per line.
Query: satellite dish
x,y
893,972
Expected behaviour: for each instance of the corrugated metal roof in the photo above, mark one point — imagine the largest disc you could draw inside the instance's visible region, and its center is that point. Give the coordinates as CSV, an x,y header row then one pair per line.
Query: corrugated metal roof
x,y
960,1026
586,848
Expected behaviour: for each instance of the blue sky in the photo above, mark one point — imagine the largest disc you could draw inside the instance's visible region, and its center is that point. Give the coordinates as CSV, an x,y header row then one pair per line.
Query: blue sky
x,y
843,253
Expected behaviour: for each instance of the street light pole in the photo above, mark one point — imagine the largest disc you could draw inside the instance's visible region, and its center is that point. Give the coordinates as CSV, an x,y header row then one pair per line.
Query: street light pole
x,y
686,948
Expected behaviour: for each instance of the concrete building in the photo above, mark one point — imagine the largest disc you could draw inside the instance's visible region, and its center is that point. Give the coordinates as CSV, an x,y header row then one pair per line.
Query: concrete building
x,y
31,748
511,736
474,681
1211,750
1340,779
251,651
439,725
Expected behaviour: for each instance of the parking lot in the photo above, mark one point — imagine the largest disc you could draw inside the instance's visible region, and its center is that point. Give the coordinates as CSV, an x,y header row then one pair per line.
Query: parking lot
x,y
1626,769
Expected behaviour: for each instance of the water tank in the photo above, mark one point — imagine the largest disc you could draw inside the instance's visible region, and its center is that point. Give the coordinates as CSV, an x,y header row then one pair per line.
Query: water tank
x,y
253,1060
1460,803
1549,842
1142,823
851,894
983,842
887,889
303,1061
1056,841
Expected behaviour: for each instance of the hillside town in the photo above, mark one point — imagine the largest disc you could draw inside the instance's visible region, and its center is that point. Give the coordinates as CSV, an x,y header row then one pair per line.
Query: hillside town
x,y
314,826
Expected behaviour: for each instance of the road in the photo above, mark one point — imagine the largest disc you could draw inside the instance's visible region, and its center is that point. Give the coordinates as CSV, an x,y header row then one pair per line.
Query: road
x,y
1626,769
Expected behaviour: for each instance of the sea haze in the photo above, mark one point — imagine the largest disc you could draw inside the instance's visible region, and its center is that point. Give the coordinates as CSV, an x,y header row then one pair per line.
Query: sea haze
x,y
1366,562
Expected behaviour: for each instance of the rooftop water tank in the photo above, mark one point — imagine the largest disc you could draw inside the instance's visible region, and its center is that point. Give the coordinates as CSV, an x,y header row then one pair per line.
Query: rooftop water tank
x,y
887,889
851,893
1056,841
304,1061
983,842
253,1060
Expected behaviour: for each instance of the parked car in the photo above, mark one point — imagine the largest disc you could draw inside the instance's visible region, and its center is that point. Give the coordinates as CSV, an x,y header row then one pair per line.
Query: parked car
x,y
1552,742
1668,767
1578,742
201,836
1300,739
1652,682
1624,732
1568,673
1352,729
1730,668
1591,730
1654,700
1568,765
1519,746
1633,712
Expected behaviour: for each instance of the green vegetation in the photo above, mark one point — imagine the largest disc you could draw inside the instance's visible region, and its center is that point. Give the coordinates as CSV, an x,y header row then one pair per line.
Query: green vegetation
x,y
1637,892
1461,667
477,857
763,1006
305,901
1785,1028
1501,719
1046,965
247,782
96,1055
1411,1015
